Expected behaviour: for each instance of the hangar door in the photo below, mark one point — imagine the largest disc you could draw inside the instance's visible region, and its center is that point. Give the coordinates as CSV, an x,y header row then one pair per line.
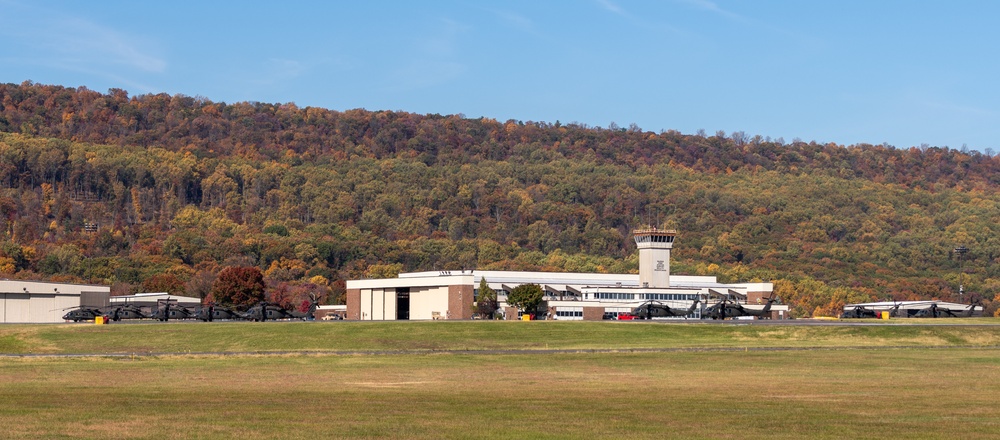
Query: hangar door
x,y
16,307
429,303
378,304
385,304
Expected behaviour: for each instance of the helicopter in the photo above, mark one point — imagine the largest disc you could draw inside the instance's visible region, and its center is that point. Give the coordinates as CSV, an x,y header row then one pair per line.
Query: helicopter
x,y
652,309
894,311
268,311
125,311
762,313
859,312
310,313
111,313
168,309
912,309
731,309
83,313
264,311
214,312
936,311
718,310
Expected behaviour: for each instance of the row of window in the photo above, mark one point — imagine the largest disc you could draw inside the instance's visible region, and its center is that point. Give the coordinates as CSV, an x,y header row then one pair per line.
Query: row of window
x,y
569,313
475,293
617,295
654,239
613,295
670,296
564,293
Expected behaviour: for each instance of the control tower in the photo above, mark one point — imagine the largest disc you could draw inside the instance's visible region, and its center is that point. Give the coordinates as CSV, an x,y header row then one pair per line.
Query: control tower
x,y
654,256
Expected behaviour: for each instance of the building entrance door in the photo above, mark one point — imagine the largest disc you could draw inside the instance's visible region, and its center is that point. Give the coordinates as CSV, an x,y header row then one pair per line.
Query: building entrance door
x,y
403,303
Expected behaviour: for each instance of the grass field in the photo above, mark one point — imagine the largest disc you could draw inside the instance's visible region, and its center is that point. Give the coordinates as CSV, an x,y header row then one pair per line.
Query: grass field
x,y
197,337
844,388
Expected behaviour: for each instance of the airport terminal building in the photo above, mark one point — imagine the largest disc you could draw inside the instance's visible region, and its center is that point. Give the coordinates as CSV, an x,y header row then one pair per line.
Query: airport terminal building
x,y
568,296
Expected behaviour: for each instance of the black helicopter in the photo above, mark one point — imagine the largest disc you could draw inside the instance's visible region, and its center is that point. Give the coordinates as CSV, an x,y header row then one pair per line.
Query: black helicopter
x,y
727,308
652,309
718,310
264,311
78,314
168,309
894,311
859,312
912,309
214,312
762,313
119,312
936,311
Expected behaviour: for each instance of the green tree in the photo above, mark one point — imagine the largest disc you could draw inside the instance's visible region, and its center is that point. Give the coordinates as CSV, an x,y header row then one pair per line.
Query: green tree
x,y
486,301
61,260
239,286
525,297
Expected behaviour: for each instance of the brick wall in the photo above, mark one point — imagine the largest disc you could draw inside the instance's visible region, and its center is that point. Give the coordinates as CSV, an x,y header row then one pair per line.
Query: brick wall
x,y
593,313
354,304
757,297
510,313
460,298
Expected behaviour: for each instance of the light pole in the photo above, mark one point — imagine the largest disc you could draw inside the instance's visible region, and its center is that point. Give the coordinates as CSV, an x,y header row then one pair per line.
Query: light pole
x,y
961,251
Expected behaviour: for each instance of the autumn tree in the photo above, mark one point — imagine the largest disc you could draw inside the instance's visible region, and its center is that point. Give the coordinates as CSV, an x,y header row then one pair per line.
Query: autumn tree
x,y
164,282
200,284
526,297
239,286
384,270
299,192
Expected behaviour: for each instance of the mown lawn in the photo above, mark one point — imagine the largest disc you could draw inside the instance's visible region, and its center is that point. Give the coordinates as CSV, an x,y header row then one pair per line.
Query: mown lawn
x,y
196,337
914,393
851,386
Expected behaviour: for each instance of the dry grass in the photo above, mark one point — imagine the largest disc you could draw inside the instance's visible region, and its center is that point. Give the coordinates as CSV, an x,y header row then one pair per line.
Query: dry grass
x,y
442,335
810,394
829,393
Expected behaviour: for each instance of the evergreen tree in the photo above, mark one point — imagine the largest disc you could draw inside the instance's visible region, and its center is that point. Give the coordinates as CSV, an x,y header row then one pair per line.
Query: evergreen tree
x,y
486,303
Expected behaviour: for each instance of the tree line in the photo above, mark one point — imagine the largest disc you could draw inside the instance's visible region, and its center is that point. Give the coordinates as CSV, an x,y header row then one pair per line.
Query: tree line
x,y
135,191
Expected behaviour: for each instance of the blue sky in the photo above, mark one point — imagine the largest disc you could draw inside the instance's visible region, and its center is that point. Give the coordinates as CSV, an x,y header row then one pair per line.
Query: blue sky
x,y
843,71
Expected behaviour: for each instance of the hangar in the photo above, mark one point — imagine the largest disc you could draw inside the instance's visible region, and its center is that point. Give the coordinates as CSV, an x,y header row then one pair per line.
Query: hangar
x,y
40,302
151,300
568,296
912,309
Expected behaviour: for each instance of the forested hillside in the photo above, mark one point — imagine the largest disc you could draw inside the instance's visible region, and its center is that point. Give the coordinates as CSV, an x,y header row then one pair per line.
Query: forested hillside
x,y
159,192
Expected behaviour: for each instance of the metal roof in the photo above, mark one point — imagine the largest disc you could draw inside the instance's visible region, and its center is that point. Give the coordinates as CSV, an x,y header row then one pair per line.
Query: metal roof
x,y
910,305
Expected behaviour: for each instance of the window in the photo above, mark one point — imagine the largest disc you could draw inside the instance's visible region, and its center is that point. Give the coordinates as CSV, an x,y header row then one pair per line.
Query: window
x,y
614,295
670,296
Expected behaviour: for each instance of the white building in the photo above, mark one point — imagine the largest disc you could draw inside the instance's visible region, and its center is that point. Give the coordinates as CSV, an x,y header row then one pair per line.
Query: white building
x,y
152,299
912,309
568,296
40,302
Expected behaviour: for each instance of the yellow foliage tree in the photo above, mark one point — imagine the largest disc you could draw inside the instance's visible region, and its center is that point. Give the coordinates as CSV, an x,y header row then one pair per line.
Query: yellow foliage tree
x,y
7,265
384,270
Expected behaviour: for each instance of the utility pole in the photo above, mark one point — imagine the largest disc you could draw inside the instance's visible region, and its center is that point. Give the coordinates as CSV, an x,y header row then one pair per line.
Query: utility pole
x,y
961,251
